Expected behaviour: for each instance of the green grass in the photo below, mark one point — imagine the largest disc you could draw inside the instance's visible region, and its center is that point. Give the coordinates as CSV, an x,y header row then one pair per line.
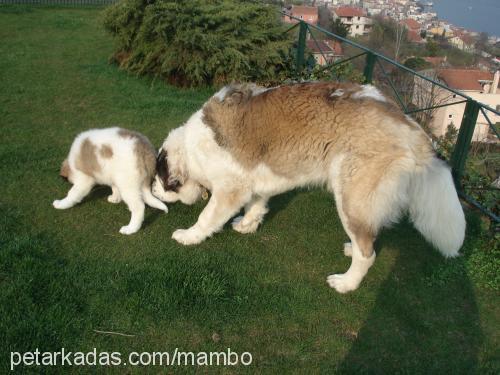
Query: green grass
x,y
65,274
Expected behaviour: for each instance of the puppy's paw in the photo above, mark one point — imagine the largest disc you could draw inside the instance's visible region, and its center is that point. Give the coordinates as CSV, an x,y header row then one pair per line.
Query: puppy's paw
x,y
191,236
342,283
348,249
244,226
128,229
114,199
61,204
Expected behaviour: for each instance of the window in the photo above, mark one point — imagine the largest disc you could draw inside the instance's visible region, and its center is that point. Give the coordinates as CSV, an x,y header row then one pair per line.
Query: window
x,y
450,116
357,26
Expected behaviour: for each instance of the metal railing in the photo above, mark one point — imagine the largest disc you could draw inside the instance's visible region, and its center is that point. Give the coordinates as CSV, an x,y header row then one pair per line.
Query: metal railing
x,y
374,59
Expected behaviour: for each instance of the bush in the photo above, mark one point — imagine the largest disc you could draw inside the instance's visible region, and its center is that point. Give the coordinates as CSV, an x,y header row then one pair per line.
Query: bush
x,y
199,42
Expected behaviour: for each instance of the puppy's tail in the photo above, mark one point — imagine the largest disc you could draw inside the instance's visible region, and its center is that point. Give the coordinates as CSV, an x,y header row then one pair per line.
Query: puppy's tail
x,y
151,200
435,209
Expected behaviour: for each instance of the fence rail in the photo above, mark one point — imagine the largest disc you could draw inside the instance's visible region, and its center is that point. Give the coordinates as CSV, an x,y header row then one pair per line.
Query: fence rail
x,y
373,59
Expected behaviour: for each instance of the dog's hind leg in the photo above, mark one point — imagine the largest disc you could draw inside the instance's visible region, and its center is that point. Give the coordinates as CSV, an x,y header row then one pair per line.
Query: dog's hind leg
x,y
82,186
132,197
359,231
115,196
363,257
223,205
254,214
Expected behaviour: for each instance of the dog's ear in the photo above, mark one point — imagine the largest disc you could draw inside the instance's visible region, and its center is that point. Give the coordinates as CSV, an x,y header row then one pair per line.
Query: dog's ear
x,y
65,169
162,168
164,174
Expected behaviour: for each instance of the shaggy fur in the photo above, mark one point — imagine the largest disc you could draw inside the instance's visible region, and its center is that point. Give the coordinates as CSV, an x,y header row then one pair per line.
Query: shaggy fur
x,y
120,158
248,144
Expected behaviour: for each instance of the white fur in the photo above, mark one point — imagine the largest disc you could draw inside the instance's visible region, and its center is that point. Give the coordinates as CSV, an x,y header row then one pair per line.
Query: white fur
x,y
371,92
430,195
120,172
435,209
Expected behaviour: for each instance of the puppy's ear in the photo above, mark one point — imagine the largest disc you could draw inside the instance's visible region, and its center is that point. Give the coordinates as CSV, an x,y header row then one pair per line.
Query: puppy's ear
x,y
65,169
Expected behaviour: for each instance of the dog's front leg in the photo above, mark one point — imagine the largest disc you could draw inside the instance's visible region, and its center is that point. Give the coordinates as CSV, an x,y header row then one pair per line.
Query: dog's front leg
x,y
223,205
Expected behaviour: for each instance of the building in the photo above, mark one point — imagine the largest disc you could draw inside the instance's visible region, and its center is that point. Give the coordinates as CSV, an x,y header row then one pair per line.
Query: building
x,y
414,30
355,19
305,13
462,41
479,85
325,51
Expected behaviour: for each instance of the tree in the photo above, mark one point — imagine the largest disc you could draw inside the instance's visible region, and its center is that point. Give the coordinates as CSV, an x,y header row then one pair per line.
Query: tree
x,y
416,63
200,42
432,48
339,28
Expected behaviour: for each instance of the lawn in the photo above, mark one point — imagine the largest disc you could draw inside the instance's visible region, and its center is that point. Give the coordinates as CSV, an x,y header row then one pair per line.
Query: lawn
x,y
66,274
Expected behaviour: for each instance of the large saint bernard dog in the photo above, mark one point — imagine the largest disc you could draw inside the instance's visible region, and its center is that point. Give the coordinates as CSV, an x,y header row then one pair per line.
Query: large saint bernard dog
x,y
248,143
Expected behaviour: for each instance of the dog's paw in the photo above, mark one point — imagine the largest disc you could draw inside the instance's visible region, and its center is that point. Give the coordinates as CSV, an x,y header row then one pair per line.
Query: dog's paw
x,y
61,204
348,249
342,283
188,236
114,199
244,226
127,229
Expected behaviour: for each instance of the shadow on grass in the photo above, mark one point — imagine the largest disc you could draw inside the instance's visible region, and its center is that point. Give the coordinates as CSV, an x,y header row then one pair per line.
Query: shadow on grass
x,y
422,319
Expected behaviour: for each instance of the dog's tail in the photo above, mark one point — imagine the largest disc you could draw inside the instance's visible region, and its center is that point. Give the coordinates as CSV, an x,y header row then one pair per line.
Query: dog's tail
x,y
151,200
435,209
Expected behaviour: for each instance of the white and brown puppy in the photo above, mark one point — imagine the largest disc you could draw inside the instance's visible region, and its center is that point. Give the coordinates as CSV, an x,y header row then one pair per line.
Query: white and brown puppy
x,y
246,145
120,158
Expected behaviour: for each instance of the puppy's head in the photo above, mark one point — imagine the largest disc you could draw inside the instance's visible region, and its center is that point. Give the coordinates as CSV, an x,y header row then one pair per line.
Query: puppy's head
x,y
65,171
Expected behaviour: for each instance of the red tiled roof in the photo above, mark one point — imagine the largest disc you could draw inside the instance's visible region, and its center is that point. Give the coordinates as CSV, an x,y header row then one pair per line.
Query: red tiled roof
x,y
304,10
464,79
326,46
414,36
411,24
349,12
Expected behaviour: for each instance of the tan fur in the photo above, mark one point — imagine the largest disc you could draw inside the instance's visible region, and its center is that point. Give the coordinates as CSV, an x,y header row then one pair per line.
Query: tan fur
x,y
87,159
305,124
65,169
301,127
106,152
144,150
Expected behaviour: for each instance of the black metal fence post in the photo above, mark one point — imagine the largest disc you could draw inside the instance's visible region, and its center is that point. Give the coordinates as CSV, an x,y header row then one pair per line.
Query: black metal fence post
x,y
301,47
464,139
371,59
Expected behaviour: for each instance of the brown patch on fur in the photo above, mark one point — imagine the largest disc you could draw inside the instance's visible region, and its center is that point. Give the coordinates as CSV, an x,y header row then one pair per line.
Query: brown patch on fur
x,y
106,152
144,151
362,235
300,127
65,171
87,159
